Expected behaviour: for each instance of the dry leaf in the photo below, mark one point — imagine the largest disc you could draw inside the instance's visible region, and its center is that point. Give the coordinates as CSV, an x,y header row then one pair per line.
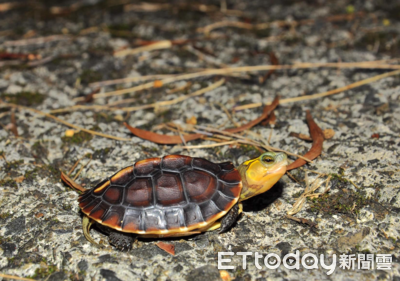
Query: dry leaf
x,y
329,133
39,215
225,275
19,179
192,120
169,248
316,148
71,183
119,117
158,83
300,136
167,139
69,133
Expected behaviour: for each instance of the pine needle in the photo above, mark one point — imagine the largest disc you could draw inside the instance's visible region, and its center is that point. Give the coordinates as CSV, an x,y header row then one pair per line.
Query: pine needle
x,y
62,121
14,277
224,71
328,93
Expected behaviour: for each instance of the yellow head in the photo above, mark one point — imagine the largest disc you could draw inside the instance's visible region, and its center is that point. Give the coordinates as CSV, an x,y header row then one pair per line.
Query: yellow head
x,y
260,174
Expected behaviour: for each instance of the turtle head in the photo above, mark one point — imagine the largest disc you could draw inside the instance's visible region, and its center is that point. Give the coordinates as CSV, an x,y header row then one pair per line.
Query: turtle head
x,y
261,173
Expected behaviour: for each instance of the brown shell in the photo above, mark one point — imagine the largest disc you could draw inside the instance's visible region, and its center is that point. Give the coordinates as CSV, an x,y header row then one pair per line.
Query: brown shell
x,y
164,195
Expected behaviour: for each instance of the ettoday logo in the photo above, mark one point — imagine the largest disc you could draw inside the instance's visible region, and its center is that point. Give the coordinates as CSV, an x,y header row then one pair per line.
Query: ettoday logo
x,y
308,261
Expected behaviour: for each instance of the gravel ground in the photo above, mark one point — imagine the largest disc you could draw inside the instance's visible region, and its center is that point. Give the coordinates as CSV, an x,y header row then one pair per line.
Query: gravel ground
x,y
41,235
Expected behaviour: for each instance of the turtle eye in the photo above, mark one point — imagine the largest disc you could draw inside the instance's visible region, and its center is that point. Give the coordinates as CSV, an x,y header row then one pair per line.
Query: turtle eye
x,y
267,159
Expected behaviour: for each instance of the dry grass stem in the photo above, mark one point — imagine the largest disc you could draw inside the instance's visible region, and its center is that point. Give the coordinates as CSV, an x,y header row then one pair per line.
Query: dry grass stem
x,y
245,140
279,23
83,166
14,277
224,71
328,93
178,89
155,105
341,89
39,40
309,192
62,121
165,44
130,80
73,167
204,57
208,145
228,114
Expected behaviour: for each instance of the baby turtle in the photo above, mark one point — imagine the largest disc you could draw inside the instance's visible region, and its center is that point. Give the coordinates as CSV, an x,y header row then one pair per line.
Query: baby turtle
x,y
175,196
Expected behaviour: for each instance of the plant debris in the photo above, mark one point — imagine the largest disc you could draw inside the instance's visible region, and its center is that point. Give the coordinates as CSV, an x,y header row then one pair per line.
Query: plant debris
x,y
318,138
167,139
169,248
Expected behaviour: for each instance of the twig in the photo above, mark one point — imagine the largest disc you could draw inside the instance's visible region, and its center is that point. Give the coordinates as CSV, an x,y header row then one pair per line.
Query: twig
x,y
309,192
41,61
244,140
83,166
73,167
15,277
280,23
39,40
208,145
328,93
166,44
292,177
62,121
145,106
303,221
9,5
130,79
14,128
345,88
71,183
224,71
228,114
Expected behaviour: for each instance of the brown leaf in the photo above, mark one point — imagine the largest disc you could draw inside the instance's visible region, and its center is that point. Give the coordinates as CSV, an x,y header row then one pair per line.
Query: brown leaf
x,y
71,183
318,138
169,248
161,139
166,139
19,179
89,98
266,112
274,61
271,120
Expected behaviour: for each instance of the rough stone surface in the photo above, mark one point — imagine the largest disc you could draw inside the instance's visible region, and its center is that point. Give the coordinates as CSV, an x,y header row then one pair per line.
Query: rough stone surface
x,y
40,222
206,272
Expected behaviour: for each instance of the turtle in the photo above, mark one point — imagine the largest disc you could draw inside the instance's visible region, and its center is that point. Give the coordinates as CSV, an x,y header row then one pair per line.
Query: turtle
x,y
173,196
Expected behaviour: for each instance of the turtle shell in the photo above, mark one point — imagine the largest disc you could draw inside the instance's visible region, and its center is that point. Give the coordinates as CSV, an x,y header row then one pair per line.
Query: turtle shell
x,y
172,194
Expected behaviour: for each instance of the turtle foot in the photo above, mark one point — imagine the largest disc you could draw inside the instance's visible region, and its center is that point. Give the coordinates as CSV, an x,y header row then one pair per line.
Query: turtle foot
x,y
121,241
230,218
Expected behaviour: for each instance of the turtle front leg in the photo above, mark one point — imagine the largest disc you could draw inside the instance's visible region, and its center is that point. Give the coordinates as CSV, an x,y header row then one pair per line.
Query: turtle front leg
x,y
121,241
230,217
